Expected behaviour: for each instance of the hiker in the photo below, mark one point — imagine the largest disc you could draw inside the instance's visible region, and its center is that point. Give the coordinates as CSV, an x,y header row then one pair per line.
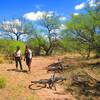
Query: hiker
x,y
28,57
17,56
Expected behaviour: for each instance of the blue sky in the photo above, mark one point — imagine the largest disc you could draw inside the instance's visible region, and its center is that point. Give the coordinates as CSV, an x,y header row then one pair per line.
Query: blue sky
x,y
10,9
17,8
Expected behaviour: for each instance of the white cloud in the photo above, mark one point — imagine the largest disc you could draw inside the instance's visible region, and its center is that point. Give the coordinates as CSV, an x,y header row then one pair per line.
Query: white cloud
x,y
50,13
75,14
7,22
17,22
62,18
80,6
34,16
14,22
91,3
14,30
62,27
11,26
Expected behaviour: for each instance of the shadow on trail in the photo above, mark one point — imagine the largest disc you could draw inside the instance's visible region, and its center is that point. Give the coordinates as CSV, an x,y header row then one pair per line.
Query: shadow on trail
x,y
24,71
59,93
95,65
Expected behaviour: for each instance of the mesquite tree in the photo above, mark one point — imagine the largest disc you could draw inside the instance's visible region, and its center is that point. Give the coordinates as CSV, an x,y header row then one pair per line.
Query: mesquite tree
x,y
15,28
50,26
86,29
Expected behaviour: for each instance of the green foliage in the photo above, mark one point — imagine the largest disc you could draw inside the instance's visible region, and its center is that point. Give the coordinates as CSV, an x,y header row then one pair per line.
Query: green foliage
x,y
82,33
97,45
2,82
36,44
67,42
50,25
1,59
86,30
9,46
44,40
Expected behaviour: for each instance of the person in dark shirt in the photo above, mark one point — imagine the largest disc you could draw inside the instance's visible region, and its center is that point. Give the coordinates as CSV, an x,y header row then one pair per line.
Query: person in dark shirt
x,y
28,57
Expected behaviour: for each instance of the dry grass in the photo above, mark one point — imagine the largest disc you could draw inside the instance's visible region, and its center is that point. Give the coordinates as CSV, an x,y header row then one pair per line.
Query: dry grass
x,y
92,67
3,82
1,58
17,82
6,59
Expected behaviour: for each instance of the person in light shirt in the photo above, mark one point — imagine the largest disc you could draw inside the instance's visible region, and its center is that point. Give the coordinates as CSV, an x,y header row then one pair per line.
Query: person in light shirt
x,y
28,57
18,58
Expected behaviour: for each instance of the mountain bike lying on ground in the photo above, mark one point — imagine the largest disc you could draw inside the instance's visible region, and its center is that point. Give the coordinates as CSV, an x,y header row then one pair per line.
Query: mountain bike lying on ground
x,y
46,83
56,67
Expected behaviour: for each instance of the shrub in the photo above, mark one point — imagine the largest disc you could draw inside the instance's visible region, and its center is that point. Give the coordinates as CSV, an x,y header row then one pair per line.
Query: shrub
x,y
9,46
2,82
1,59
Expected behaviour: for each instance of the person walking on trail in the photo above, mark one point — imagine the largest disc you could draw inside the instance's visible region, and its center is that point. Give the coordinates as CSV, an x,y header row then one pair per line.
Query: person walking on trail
x,y
18,58
28,57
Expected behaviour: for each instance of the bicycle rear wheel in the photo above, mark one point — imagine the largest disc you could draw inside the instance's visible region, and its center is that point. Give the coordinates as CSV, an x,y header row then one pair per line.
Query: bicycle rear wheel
x,y
36,86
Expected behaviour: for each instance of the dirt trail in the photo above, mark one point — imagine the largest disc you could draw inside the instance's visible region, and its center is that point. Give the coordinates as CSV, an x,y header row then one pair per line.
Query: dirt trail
x,y
18,82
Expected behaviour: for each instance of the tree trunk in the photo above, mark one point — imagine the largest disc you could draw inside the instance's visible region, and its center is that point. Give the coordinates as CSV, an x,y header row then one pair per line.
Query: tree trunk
x,y
88,54
17,37
37,51
47,52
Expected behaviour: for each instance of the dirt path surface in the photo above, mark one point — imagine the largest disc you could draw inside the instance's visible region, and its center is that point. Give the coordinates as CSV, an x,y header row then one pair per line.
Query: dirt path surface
x,y
18,82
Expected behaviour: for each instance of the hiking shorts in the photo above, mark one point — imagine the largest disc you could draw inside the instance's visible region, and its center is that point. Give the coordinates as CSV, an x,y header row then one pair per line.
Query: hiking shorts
x,y
28,61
